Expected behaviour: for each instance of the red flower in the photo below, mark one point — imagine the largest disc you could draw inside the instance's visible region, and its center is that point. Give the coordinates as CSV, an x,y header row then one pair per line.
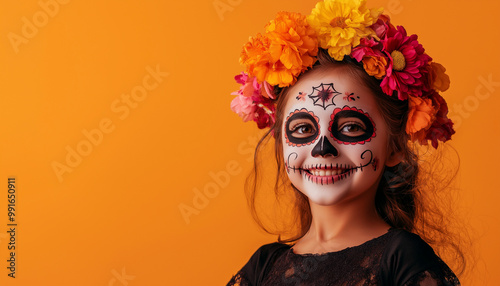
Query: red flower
x,y
442,127
382,25
437,77
367,47
407,69
264,113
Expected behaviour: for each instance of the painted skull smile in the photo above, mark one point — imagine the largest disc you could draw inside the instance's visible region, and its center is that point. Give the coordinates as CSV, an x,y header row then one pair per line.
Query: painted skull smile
x,y
329,173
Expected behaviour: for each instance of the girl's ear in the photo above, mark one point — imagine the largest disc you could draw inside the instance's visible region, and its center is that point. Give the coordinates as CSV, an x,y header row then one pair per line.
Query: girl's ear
x,y
393,159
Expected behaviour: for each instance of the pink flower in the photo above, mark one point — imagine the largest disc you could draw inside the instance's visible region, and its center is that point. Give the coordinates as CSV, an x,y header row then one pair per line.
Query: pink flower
x,y
251,87
407,70
244,107
267,90
253,101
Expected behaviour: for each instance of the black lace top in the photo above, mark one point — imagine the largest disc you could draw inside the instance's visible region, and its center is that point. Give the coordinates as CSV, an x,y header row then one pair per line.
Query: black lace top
x,y
395,258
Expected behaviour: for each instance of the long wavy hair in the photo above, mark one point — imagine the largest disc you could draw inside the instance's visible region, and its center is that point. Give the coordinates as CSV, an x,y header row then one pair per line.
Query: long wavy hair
x,y
409,196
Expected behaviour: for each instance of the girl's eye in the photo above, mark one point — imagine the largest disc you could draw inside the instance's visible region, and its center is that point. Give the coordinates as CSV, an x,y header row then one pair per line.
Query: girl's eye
x,y
352,129
303,130
352,126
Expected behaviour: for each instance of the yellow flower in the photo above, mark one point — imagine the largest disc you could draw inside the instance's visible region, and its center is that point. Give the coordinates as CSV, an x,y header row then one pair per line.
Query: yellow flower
x,y
340,25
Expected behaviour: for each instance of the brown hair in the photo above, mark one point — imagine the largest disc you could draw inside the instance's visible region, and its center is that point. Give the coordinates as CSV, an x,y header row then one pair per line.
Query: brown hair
x,y
402,201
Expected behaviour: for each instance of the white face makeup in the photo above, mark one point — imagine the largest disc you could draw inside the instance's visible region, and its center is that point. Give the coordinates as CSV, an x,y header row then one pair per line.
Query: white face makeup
x,y
334,137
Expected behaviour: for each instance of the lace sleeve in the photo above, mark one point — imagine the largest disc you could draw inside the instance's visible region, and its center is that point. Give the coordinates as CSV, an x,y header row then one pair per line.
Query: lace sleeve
x,y
439,276
254,270
238,280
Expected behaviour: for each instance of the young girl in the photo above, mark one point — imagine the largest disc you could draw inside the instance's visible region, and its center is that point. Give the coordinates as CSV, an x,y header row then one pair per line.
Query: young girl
x,y
344,93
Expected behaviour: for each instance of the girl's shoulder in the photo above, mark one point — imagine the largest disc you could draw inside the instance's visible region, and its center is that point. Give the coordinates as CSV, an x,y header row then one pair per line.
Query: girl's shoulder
x,y
408,260
405,244
258,265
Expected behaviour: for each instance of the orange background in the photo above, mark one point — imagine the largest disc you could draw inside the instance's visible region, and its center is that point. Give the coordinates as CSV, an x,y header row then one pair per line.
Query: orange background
x,y
113,217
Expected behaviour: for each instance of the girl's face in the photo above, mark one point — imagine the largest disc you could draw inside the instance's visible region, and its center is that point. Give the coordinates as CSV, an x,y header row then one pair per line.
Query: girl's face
x,y
334,137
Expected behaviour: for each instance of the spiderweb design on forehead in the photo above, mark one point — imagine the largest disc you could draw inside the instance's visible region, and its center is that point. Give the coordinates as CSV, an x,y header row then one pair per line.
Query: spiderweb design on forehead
x,y
323,95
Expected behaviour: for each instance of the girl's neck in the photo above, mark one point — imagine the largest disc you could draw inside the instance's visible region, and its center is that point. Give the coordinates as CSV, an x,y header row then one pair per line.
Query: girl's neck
x,y
334,228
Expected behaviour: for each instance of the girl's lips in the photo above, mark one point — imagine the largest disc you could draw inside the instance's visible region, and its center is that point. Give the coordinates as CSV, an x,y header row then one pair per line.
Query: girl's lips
x,y
335,175
325,172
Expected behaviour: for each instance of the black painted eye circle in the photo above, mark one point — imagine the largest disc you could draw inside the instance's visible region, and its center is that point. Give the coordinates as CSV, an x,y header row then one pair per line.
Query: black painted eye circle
x,y
351,126
301,128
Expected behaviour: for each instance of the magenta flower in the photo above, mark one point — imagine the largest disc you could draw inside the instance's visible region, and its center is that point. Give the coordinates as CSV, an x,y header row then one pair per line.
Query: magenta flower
x,y
264,113
407,70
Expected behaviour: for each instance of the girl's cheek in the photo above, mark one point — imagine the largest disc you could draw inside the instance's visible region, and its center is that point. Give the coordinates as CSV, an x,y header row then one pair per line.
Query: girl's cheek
x,y
295,156
291,158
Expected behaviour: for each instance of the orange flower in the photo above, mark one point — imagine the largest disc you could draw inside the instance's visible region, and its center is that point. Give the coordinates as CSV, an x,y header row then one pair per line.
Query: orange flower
x,y
375,66
255,56
438,79
296,38
421,115
288,48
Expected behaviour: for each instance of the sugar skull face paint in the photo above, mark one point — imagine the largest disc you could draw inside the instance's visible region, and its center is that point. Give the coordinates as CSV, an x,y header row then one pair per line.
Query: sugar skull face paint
x,y
334,146
350,125
301,128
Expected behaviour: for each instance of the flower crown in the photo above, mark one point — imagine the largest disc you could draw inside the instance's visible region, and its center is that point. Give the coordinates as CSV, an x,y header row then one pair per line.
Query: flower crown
x,y
290,46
